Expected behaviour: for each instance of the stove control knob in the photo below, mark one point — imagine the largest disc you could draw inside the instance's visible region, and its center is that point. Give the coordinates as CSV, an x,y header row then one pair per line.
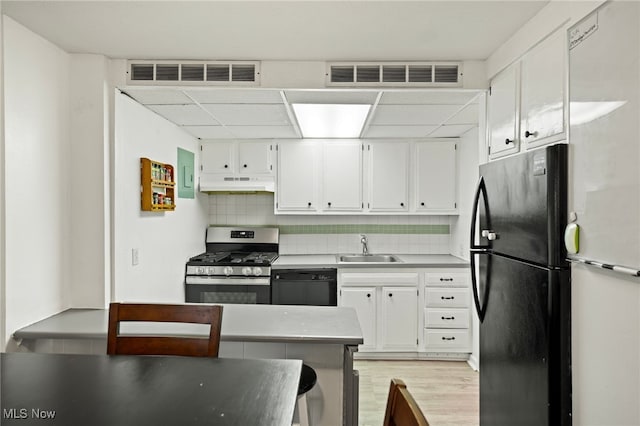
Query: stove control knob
x,y
211,270
200,270
257,271
246,271
228,270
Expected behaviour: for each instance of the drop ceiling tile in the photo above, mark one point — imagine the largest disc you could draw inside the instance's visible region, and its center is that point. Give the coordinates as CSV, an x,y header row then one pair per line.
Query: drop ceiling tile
x,y
250,114
262,132
209,132
398,131
452,131
415,115
468,115
331,96
184,115
148,96
235,96
429,97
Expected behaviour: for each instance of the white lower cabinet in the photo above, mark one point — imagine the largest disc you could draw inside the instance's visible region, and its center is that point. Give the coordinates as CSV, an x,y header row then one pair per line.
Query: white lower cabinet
x,y
363,300
399,320
386,304
447,307
410,313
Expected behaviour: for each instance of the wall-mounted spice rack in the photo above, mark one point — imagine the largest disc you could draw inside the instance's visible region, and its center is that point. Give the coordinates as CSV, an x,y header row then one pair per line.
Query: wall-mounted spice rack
x,y
157,186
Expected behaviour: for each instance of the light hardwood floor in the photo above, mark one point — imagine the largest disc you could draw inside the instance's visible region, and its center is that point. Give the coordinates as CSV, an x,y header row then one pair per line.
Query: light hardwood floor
x,y
446,391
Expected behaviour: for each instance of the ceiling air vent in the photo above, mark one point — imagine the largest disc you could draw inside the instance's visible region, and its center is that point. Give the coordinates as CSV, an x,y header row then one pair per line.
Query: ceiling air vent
x,y
176,73
398,74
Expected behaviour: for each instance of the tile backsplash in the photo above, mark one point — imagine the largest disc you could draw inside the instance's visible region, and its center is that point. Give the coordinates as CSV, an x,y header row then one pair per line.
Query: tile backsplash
x,y
302,234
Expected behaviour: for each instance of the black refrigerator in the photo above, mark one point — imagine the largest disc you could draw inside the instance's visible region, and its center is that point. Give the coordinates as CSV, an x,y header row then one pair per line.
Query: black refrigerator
x,y
522,289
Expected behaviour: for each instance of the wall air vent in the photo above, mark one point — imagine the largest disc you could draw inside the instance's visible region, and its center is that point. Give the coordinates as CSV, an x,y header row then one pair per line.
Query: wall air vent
x,y
398,74
193,73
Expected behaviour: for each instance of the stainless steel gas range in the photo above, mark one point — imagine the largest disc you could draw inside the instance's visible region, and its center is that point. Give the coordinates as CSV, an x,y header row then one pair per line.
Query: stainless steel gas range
x,y
236,267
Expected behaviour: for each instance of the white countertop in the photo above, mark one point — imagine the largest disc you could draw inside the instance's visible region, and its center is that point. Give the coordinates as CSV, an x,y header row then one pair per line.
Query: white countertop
x,y
245,323
331,261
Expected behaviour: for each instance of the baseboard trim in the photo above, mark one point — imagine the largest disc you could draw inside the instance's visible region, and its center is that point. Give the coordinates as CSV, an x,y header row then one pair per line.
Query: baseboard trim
x,y
474,362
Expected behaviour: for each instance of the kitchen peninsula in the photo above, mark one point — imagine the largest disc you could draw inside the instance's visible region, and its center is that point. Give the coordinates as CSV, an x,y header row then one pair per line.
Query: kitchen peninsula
x,y
323,337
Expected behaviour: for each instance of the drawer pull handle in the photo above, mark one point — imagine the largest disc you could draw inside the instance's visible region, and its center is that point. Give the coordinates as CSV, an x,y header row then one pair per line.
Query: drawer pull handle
x,y
447,297
448,338
448,318
446,279
368,294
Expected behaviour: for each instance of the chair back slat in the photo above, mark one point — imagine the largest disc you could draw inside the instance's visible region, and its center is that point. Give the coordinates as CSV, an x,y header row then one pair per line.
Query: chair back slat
x,y
130,344
402,409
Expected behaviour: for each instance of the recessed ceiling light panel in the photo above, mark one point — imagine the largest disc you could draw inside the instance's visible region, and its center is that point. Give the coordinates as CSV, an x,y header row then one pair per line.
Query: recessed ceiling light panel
x,y
331,120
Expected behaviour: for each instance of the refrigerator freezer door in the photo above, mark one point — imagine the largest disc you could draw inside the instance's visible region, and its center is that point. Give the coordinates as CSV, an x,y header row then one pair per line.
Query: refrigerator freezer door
x,y
524,346
527,209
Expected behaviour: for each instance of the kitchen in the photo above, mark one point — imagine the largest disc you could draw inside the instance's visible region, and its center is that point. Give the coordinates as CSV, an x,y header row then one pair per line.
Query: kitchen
x,y
92,221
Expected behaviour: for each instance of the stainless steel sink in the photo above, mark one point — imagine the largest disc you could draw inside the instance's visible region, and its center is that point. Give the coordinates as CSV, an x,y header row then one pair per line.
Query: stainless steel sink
x,y
368,258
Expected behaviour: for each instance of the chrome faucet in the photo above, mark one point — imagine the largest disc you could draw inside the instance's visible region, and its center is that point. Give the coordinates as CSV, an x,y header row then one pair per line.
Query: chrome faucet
x,y
365,247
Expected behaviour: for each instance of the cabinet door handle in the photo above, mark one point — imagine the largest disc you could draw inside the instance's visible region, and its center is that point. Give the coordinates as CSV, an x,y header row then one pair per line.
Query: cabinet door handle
x,y
308,204
329,204
528,133
447,297
422,204
448,318
368,294
448,338
401,204
508,141
226,166
446,279
245,166
390,294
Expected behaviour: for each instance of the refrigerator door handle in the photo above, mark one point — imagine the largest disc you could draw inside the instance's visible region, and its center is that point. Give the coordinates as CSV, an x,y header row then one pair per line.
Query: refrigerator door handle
x,y
481,189
480,310
476,249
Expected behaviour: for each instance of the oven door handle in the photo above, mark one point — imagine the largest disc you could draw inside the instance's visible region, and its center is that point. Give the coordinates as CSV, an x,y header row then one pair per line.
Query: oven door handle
x,y
228,281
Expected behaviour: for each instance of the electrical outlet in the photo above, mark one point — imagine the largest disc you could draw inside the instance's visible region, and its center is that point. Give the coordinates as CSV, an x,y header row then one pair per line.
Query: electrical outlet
x,y
135,256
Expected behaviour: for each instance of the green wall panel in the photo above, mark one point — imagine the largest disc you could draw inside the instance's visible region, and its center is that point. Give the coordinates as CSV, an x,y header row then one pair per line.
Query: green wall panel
x,y
186,178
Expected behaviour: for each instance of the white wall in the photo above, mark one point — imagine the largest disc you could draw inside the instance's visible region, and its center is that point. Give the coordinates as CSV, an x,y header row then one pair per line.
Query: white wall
x,y
37,160
605,308
2,197
165,241
89,168
468,153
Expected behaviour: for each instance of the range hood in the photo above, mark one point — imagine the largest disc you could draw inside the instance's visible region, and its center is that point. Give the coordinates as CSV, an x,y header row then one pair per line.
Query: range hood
x,y
210,183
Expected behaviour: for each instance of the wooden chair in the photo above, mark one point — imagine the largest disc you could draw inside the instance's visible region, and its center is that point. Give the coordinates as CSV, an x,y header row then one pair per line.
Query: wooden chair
x,y
130,344
402,409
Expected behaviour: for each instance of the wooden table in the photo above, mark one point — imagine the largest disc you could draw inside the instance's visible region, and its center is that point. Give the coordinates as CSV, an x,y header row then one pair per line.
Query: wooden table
x,y
146,390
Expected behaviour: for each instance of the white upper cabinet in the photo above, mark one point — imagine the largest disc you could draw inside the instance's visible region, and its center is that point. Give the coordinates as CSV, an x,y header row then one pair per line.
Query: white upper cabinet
x,y
217,157
435,176
503,113
244,157
542,92
297,188
254,157
526,100
388,176
342,175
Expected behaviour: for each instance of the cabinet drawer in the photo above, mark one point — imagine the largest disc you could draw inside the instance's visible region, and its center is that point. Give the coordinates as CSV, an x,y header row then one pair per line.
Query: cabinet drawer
x,y
448,279
447,340
446,318
447,297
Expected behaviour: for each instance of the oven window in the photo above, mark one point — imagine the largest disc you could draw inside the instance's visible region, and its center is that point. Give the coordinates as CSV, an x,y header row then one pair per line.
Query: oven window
x,y
229,297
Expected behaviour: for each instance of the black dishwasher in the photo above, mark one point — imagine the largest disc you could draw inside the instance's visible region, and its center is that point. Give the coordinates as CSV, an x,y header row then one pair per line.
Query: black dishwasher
x,y
317,287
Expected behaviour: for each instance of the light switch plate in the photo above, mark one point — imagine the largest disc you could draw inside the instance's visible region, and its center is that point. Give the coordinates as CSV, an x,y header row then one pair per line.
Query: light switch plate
x,y
135,256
